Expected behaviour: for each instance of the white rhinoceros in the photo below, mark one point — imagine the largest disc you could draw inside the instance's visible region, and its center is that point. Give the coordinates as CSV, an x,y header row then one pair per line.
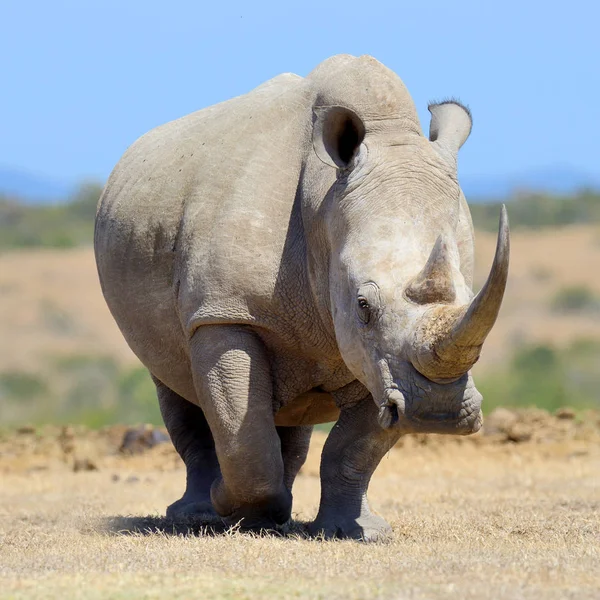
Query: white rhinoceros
x,y
299,255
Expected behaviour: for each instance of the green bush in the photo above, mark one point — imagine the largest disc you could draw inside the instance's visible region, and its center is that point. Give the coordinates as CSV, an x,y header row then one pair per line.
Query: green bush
x,y
575,299
22,386
91,390
137,396
55,226
546,377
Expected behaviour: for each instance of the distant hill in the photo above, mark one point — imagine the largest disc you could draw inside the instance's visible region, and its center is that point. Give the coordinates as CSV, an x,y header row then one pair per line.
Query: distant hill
x,y
549,180
33,188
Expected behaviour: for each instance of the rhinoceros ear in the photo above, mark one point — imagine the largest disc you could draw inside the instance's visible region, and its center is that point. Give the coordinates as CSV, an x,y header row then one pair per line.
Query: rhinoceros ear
x,y
450,126
337,134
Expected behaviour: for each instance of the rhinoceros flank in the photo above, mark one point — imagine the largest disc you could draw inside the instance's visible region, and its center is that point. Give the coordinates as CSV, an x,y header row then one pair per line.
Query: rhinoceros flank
x,y
298,255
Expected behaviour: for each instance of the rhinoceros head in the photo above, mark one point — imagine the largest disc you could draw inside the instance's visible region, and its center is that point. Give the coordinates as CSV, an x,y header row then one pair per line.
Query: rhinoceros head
x,y
406,321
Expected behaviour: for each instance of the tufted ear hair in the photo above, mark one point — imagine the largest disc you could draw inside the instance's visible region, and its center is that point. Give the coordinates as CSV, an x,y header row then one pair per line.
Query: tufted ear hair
x,y
450,126
337,134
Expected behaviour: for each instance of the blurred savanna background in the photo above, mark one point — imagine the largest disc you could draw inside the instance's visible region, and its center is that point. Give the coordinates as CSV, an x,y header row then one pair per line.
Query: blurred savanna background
x,y
63,359
86,470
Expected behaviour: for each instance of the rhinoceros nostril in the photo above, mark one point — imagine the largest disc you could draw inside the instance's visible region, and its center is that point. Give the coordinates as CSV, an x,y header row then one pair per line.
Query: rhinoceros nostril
x,y
388,415
391,408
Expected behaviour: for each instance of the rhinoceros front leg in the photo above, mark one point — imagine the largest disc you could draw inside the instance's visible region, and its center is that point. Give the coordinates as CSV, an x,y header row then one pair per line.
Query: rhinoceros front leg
x,y
232,377
354,448
193,441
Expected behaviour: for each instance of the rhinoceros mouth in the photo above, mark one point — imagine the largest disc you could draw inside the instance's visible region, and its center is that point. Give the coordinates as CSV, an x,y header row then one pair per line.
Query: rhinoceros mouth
x,y
461,421
446,417
452,408
453,422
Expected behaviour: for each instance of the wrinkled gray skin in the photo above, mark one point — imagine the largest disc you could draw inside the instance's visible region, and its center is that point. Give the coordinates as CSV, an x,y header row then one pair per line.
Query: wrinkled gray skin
x,y
271,261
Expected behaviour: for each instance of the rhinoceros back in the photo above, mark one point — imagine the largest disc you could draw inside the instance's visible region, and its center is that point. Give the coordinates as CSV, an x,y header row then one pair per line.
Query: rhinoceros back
x,y
183,209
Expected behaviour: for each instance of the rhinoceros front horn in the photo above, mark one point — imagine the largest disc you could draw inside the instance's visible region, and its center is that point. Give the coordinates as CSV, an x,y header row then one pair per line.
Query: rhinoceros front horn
x,y
448,340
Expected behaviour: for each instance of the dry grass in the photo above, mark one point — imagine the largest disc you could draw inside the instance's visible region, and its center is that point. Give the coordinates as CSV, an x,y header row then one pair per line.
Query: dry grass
x,y
470,520
50,300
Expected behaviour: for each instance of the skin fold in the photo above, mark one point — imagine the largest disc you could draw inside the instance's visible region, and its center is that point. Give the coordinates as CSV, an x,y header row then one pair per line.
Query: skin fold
x,y
298,255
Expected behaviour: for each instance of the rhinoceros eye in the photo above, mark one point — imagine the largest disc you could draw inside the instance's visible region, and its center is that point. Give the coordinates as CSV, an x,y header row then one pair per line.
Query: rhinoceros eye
x,y
364,309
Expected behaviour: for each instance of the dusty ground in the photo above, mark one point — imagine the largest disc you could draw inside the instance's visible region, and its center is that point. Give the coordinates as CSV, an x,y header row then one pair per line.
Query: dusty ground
x,y
50,300
479,517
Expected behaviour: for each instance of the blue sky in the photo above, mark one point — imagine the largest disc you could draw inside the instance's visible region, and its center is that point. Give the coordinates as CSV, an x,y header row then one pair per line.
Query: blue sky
x,y
82,80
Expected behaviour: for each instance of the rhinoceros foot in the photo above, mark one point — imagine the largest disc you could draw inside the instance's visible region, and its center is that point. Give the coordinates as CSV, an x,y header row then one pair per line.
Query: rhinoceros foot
x,y
366,528
268,512
186,508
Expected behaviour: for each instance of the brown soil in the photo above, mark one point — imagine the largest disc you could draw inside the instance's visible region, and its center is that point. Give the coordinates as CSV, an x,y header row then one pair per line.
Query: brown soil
x,y
77,448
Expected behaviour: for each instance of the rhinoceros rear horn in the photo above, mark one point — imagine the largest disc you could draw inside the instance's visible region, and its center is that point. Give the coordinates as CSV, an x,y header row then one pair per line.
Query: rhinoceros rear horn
x,y
449,340
337,134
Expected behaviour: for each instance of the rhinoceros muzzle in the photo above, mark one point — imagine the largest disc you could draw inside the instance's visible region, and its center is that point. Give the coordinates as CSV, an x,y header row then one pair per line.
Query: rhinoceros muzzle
x,y
436,394
453,408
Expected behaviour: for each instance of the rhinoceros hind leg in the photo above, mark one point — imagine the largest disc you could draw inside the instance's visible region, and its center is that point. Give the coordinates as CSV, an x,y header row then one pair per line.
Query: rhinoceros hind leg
x,y
193,440
233,382
294,449
354,448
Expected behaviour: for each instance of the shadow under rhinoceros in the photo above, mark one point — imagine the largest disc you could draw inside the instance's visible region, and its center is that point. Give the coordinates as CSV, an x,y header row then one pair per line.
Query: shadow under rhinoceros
x,y
199,527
